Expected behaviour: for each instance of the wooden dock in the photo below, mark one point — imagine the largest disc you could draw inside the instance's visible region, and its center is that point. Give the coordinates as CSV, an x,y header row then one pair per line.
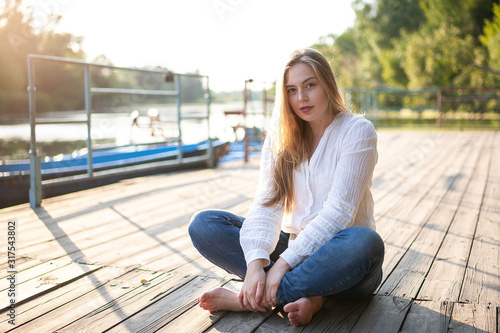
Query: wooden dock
x,y
80,258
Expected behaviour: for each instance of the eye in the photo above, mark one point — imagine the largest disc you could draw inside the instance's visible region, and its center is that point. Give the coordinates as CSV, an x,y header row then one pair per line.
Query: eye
x,y
290,90
311,84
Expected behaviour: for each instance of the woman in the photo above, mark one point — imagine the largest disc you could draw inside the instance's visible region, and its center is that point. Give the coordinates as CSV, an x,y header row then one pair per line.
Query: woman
x,y
315,179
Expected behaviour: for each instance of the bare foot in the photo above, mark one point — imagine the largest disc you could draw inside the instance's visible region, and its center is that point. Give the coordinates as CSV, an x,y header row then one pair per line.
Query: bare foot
x,y
302,310
220,299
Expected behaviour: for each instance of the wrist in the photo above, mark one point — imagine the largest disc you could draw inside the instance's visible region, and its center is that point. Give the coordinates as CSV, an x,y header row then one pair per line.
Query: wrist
x,y
257,264
282,265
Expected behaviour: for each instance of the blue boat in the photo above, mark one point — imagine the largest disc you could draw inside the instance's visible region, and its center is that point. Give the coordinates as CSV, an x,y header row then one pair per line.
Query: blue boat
x,y
14,175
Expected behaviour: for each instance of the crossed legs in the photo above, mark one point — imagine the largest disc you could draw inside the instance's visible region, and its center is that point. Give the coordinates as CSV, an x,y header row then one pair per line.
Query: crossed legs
x,y
348,266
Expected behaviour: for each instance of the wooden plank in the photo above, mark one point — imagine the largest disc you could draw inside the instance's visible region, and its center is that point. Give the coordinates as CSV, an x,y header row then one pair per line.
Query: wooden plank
x,y
79,307
57,298
411,192
22,263
409,274
167,308
130,189
278,322
124,307
148,239
383,314
417,166
419,156
402,224
91,240
193,320
444,280
106,216
29,274
47,282
240,322
481,283
473,318
421,169
428,316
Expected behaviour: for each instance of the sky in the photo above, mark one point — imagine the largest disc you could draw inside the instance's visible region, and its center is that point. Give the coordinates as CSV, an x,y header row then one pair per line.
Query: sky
x,y
228,40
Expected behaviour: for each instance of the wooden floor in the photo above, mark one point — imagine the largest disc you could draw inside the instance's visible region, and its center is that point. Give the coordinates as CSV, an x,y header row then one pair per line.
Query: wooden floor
x,y
81,257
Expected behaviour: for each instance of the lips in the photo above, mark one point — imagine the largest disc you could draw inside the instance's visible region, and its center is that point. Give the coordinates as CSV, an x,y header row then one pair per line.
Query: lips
x,y
306,109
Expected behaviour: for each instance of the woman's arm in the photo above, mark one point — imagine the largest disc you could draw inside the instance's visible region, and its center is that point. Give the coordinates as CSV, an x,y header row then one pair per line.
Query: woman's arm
x,y
259,235
261,228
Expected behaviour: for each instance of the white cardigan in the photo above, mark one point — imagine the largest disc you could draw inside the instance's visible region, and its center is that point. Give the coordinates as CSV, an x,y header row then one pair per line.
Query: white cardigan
x,y
332,192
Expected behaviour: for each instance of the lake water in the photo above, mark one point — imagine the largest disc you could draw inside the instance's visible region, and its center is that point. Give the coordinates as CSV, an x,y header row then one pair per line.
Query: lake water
x,y
117,126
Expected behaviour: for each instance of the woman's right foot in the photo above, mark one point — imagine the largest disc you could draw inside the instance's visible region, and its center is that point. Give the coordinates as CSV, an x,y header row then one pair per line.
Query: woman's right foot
x,y
220,299
302,310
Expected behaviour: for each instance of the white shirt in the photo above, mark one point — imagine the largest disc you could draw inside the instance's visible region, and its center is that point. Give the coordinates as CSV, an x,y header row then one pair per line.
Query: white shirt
x,y
332,192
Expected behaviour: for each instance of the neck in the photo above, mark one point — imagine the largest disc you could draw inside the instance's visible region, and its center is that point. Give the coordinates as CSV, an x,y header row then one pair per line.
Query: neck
x,y
318,128
316,132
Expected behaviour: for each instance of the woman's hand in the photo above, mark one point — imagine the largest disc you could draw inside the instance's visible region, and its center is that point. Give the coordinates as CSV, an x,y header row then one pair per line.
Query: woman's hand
x,y
252,291
273,280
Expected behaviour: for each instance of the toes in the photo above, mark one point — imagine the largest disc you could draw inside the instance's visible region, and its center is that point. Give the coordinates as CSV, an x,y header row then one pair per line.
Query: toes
x,y
291,307
295,322
202,298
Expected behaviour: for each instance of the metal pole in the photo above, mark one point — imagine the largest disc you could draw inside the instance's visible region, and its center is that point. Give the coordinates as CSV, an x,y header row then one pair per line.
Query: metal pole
x,y
439,105
375,107
210,147
88,109
178,100
246,139
35,193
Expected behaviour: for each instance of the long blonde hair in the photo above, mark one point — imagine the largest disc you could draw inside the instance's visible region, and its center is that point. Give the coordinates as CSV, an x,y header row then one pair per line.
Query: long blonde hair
x,y
291,144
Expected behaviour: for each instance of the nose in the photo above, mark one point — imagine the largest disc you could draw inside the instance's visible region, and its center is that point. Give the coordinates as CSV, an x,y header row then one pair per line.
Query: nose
x,y
302,95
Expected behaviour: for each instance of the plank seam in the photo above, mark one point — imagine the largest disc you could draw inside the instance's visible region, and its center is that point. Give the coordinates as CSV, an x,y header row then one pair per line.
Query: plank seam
x,y
475,229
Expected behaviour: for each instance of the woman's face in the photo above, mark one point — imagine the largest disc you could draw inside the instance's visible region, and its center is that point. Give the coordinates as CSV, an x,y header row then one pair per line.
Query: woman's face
x,y
307,98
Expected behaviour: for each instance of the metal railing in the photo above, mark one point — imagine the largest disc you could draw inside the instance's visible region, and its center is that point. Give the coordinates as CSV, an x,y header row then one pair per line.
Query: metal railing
x,y
35,193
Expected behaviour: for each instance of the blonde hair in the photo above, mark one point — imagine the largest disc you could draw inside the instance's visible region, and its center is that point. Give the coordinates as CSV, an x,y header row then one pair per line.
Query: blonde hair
x,y
291,144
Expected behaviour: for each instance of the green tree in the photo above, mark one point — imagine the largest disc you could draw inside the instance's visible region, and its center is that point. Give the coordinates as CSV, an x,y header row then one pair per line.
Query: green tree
x,y
342,53
416,44
57,86
378,32
439,59
491,40
469,15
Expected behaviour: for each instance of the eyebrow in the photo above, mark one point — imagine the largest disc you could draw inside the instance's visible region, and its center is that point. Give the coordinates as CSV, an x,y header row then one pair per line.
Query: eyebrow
x,y
309,78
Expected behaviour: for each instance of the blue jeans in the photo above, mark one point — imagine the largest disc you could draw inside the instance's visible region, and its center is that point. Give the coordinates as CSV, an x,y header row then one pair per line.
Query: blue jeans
x,y
349,266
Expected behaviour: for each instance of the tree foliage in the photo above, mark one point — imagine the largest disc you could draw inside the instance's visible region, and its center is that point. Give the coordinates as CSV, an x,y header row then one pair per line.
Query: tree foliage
x,y
418,44
60,87
491,39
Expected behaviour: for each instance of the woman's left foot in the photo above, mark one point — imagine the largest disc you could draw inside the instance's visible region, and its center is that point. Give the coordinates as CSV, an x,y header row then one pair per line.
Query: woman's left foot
x,y
302,310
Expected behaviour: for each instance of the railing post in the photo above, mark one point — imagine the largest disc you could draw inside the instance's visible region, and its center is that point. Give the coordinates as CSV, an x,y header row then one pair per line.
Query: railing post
x,y
88,110
179,116
246,139
439,105
375,107
35,193
210,146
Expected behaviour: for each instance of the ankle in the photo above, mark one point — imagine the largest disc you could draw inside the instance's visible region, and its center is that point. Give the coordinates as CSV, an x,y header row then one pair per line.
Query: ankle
x,y
317,303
